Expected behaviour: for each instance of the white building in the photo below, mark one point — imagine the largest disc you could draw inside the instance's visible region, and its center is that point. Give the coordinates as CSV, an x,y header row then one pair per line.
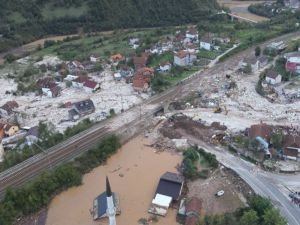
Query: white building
x,y
272,77
94,58
192,34
184,58
165,66
206,42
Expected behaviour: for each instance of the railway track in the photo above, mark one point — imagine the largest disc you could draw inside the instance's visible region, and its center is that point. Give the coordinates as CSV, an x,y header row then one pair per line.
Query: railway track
x,y
51,160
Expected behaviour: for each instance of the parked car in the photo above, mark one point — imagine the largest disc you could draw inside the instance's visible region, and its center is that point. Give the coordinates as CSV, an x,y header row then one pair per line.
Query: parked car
x,y
220,193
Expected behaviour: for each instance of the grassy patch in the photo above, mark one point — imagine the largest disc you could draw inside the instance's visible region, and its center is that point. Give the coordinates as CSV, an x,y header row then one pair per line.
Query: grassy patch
x,y
208,54
16,17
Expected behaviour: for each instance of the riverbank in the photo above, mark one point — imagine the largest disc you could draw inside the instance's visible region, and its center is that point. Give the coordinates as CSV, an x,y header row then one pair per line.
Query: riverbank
x,y
133,172
240,8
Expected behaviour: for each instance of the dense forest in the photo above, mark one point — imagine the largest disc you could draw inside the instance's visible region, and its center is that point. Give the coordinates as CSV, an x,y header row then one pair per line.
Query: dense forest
x,y
25,20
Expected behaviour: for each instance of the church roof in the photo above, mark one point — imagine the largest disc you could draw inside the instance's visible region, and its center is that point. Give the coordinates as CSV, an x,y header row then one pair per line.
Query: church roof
x,y
100,204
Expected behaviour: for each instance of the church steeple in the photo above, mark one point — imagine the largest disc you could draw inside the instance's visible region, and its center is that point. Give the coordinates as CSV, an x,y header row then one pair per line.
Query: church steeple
x,y
108,189
111,210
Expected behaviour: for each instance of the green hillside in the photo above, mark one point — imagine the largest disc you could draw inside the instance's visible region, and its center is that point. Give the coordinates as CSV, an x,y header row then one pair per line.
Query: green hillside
x,y
26,20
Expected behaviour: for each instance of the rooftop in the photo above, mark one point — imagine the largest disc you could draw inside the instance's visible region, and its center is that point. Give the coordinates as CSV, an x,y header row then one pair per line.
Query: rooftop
x,y
170,184
272,74
262,130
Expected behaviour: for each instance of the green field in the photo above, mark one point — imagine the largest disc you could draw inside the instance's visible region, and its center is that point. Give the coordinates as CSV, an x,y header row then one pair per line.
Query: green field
x,y
104,45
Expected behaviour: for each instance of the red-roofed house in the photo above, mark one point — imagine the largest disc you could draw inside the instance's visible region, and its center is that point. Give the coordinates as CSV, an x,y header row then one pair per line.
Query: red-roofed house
x,y
260,130
142,78
184,58
116,57
140,62
9,106
292,62
193,210
48,87
90,86
79,81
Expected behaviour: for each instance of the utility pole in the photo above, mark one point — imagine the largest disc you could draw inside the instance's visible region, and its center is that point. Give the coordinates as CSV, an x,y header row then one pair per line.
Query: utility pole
x,y
47,156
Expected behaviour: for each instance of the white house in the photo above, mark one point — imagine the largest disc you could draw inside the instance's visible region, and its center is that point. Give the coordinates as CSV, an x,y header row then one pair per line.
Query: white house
x,y
252,61
192,34
94,58
184,58
272,77
206,42
165,66
70,77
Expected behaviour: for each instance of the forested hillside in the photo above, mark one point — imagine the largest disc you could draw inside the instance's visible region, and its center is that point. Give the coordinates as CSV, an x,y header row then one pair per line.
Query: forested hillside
x,y
26,20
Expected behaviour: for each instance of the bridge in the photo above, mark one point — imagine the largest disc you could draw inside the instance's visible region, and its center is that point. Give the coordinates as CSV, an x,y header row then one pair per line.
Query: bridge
x,y
234,16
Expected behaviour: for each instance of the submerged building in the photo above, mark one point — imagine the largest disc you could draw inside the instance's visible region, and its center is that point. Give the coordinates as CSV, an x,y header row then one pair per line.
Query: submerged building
x,y
107,204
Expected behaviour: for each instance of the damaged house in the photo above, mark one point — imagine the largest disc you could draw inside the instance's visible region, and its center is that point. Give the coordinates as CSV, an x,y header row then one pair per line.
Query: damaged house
x,y
81,109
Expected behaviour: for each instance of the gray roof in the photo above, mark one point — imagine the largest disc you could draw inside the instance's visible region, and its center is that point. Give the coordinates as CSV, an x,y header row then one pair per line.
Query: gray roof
x,y
33,131
263,58
102,205
84,106
170,184
250,60
291,54
272,74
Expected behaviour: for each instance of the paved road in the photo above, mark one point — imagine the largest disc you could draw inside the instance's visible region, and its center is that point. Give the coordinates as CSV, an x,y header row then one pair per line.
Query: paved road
x,y
273,186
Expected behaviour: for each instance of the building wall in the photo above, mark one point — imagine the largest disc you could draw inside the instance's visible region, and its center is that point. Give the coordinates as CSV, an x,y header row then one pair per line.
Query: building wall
x,y
165,68
180,61
47,92
205,45
12,130
277,80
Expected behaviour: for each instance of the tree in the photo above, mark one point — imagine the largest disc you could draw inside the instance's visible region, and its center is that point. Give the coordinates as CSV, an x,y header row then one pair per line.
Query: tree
x,y
259,204
272,217
249,218
9,58
277,140
257,51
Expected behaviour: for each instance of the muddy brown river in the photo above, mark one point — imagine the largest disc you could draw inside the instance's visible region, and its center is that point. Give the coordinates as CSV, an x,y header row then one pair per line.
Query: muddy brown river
x,y
134,173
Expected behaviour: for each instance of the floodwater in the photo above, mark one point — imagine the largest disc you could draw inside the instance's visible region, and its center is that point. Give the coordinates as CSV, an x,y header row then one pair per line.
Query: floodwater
x,y
140,168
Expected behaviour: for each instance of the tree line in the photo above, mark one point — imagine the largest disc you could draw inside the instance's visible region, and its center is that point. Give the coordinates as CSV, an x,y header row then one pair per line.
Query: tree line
x,y
101,15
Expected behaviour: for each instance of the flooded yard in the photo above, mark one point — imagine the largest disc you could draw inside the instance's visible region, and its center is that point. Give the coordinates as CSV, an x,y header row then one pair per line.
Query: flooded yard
x,y
134,173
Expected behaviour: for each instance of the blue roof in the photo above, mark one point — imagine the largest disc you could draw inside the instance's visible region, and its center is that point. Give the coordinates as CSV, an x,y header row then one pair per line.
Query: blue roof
x,y
102,204
262,142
